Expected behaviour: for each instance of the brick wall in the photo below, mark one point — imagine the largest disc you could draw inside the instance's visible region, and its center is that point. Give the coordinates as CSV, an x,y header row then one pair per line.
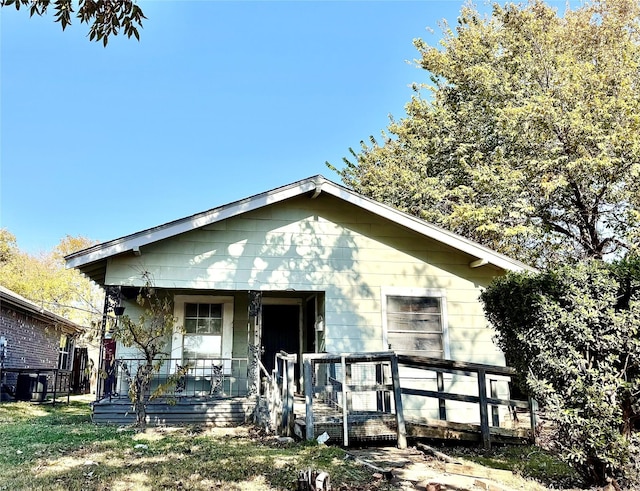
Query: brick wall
x,y
30,341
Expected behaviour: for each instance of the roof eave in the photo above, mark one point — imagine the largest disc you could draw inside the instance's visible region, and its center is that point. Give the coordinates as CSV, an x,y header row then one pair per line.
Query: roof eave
x,y
135,241
92,261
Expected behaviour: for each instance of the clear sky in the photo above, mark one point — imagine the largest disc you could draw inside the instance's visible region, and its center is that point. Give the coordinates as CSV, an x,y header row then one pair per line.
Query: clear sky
x,y
218,101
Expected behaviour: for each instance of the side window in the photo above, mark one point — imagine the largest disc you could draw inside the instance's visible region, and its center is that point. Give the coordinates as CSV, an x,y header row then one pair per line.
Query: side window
x,y
415,322
63,353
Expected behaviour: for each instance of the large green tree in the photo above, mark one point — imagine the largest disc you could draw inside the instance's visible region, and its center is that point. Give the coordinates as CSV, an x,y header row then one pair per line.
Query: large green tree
x,y
527,136
106,17
44,279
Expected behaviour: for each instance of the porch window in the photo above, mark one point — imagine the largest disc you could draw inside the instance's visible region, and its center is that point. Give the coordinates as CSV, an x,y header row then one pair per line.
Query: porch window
x,y
415,322
203,330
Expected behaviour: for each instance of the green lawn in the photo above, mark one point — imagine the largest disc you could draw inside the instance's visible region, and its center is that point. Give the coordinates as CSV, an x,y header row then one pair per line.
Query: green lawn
x,y
58,448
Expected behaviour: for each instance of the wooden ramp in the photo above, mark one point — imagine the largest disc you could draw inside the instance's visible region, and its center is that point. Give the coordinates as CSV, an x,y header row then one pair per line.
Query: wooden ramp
x,y
229,411
359,397
464,432
375,426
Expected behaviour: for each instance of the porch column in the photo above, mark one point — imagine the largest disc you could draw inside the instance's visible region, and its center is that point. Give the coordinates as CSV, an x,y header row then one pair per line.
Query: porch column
x,y
111,300
255,347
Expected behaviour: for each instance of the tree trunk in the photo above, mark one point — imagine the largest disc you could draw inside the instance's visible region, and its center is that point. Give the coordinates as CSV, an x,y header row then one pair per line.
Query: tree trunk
x,y
140,395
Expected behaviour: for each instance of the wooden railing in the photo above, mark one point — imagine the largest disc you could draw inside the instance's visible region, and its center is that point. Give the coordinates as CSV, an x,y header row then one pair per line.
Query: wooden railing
x,y
481,373
337,386
279,392
333,380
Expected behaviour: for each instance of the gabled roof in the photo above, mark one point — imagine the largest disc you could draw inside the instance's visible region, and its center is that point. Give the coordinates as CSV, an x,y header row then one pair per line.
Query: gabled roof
x,y
92,261
15,301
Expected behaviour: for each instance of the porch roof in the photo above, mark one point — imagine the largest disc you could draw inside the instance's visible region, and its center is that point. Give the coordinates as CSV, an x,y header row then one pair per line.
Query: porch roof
x,y
93,260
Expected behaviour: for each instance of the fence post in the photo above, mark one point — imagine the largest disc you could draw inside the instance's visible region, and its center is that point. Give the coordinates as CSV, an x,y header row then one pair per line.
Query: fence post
x,y
484,410
495,413
308,398
345,409
290,391
397,399
533,408
55,385
441,402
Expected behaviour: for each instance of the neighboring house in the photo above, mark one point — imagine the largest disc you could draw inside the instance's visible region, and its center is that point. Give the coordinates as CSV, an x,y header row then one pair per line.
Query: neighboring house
x,y
33,339
325,269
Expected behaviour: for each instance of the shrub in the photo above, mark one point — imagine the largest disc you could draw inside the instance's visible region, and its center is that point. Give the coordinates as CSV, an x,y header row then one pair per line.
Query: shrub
x,y
572,334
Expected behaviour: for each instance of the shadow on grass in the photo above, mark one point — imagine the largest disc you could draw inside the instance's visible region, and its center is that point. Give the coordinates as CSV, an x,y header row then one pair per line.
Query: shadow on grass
x,y
59,449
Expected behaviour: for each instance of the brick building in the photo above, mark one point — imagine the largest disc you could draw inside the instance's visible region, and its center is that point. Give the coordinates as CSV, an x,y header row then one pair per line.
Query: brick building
x,y
32,337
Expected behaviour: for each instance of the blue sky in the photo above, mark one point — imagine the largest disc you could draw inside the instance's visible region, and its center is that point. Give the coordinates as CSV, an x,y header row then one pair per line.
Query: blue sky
x,y
218,101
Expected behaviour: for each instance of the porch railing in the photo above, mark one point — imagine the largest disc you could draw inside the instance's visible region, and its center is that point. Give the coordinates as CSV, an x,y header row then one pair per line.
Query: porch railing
x,y
343,391
279,389
178,377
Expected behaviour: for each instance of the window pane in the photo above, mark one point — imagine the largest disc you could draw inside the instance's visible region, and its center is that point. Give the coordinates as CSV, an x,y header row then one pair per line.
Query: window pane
x,y
215,326
414,322
416,342
202,346
190,325
202,326
414,325
191,309
215,311
203,310
413,304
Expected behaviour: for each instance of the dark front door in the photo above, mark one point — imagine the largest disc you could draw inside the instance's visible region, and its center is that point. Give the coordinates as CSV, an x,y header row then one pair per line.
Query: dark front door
x,y
80,374
280,332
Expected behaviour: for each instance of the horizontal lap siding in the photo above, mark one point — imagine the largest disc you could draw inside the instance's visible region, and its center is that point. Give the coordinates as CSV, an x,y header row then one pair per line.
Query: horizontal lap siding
x,y
324,245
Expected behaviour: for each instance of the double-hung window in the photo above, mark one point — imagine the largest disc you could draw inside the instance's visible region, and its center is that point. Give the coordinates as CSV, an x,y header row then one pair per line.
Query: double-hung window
x,y
415,321
202,330
205,329
64,360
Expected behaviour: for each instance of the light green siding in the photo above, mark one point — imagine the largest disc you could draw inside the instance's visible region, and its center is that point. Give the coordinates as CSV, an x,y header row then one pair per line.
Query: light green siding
x,y
328,246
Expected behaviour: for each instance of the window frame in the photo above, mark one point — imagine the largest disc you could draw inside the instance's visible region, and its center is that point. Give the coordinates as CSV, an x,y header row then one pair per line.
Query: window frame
x,y
65,352
177,341
438,293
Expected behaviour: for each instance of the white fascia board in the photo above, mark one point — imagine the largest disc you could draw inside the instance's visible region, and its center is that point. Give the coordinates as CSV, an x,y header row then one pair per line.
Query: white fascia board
x,y
318,184
426,229
194,222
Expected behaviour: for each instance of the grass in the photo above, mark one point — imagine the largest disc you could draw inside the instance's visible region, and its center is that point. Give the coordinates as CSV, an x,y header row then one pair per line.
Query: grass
x,y
528,461
55,448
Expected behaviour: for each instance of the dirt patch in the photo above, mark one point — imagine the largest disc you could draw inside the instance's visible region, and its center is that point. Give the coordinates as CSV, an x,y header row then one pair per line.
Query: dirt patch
x,y
412,468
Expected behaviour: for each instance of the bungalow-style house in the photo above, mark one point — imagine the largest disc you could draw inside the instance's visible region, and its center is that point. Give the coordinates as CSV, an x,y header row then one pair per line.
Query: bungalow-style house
x,y
310,267
36,349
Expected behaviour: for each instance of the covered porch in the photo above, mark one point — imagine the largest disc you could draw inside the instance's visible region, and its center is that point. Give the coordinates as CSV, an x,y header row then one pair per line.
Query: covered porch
x,y
224,345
